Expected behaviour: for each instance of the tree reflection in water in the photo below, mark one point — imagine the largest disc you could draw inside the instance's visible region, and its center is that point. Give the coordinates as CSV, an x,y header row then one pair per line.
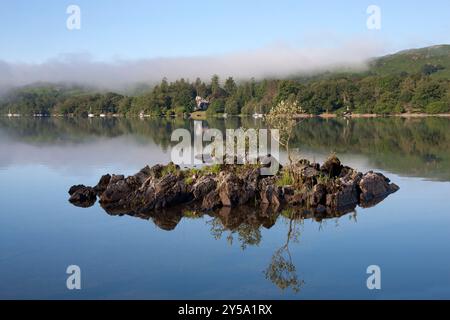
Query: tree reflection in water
x,y
282,271
244,224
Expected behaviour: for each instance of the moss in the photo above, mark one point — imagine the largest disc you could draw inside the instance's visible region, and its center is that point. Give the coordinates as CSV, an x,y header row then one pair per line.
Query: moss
x,y
214,169
189,180
170,168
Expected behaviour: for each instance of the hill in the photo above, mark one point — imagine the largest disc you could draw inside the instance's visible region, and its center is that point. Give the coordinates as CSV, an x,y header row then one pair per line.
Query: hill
x,y
434,60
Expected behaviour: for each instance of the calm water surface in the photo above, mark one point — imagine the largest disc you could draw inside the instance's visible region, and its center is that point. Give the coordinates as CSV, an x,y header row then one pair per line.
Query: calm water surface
x,y
228,256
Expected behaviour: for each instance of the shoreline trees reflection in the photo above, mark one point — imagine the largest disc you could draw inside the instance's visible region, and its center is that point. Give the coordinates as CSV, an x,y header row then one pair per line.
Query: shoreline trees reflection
x,y
417,147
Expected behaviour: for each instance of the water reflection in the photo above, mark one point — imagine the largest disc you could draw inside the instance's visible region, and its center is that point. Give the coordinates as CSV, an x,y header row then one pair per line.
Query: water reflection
x,y
243,225
281,270
411,147
406,234
417,147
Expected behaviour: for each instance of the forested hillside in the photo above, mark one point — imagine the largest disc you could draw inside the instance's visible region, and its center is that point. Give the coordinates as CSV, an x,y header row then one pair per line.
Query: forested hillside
x,y
410,81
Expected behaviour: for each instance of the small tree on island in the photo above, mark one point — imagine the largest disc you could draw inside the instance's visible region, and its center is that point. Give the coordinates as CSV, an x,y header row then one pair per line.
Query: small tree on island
x,y
284,117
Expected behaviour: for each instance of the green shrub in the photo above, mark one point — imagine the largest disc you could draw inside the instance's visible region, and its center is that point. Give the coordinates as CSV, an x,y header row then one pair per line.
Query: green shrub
x,y
189,180
438,107
214,169
398,108
382,108
170,168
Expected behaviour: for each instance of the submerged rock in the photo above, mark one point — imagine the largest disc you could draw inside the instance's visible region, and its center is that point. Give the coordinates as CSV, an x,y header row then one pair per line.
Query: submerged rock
x,y
322,190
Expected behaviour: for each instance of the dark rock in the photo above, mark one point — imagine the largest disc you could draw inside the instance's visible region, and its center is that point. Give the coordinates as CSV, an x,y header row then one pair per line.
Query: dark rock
x,y
230,189
170,190
117,190
297,199
304,174
203,186
309,172
332,167
393,188
102,184
82,196
315,192
251,179
287,191
269,192
304,162
75,188
318,195
116,177
375,185
346,171
156,171
211,201
143,174
345,195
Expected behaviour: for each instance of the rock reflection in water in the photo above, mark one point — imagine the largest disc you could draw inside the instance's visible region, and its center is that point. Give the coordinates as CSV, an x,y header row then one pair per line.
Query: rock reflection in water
x,y
240,200
244,225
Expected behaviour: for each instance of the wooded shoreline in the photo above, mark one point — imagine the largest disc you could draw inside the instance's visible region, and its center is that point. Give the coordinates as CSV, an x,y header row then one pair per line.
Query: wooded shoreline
x,y
322,115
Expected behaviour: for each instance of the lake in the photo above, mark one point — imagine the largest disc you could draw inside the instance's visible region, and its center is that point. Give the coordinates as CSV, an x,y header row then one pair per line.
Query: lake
x,y
234,255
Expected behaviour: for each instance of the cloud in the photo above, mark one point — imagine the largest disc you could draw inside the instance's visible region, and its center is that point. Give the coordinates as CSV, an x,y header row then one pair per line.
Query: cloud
x,y
271,61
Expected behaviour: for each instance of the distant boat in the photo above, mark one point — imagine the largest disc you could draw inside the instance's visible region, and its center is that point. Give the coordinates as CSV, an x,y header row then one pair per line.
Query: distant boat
x,y
141,115
90,114
102,115
224,115
10,114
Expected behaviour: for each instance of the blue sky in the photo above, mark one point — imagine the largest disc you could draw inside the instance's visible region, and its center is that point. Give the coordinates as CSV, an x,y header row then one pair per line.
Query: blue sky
x,y
35,31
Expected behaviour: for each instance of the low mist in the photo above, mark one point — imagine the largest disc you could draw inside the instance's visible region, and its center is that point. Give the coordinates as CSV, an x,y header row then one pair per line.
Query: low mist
x,y
273,61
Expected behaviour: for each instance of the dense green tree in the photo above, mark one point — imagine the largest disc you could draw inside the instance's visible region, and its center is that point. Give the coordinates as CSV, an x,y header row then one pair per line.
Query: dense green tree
x,y
217,106
233,106
429,69
230,86
216,90
201,89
